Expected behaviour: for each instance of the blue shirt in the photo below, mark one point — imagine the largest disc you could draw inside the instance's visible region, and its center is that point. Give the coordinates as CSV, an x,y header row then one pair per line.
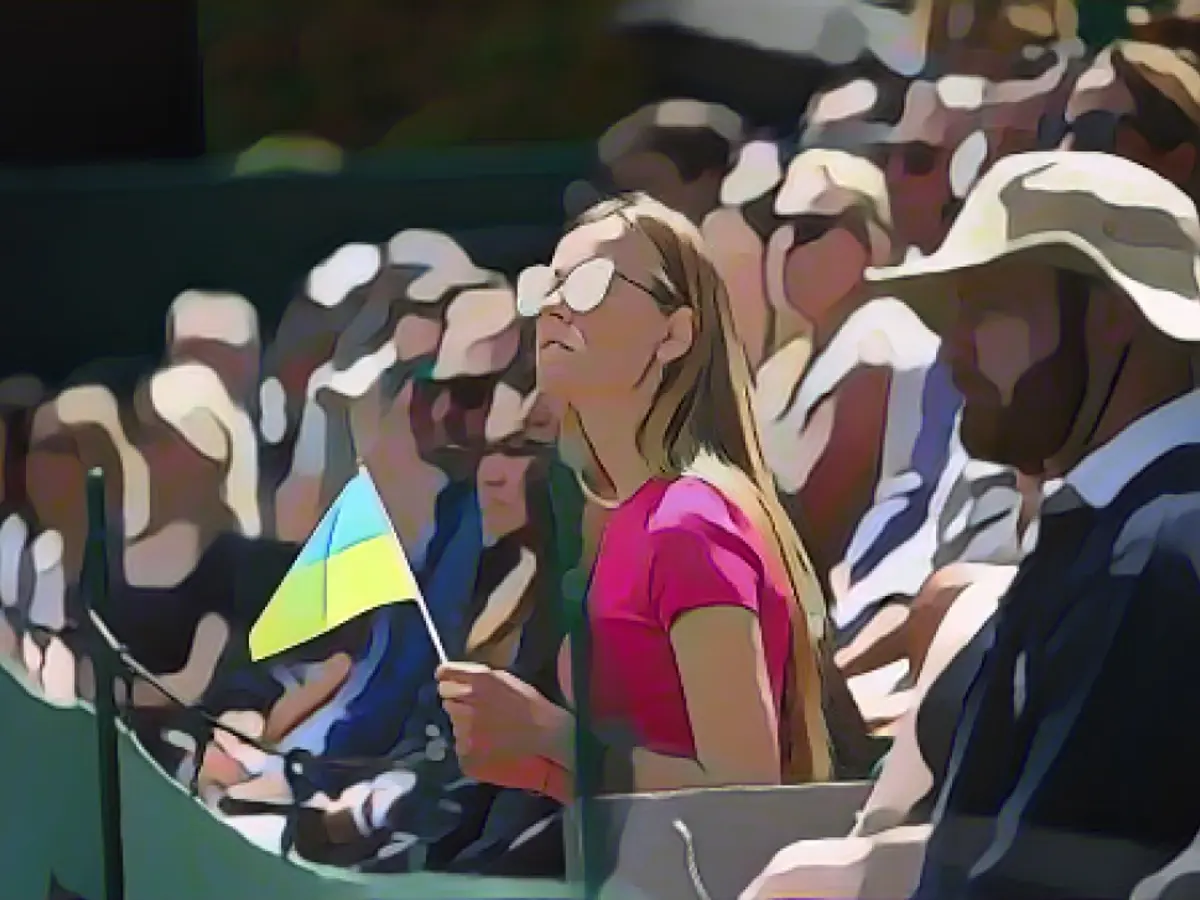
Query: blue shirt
x,y
396,670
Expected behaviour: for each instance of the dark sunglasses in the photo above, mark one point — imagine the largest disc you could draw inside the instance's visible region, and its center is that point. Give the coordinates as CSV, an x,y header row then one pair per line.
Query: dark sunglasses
x,y
582,289
918,157
465,393
1094,131
471,393
1052,130
812,227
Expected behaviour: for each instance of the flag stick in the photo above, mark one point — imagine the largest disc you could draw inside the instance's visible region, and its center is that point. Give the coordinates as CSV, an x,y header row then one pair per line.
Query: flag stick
x,y
432,629
96,572
436,638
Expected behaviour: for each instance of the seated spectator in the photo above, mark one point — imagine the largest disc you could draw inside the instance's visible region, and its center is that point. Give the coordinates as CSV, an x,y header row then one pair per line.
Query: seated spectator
x,y
312,321
738,232
402,282
514,623
1083,305
179,470
219,331
1142,102
856,116
920,151
400,319
750,244
87,424
634,261
1175,24
1025,111
864,438
200,449
179,459
676,151
433,424
985,41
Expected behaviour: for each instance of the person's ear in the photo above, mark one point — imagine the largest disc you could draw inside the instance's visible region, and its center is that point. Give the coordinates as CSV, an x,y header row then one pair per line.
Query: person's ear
x,y
679,337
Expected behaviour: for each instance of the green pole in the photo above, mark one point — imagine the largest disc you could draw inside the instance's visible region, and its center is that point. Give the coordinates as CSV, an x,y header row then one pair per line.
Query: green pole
x,y
588,758
1101,22
96,583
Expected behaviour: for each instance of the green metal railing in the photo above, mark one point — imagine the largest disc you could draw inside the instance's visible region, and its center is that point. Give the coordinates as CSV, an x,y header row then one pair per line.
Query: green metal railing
x,y
111,825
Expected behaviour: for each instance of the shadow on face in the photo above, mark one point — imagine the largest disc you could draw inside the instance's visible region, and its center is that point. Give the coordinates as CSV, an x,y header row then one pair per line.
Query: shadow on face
x,y
503,482
938,116
449,422
918,177
1018,356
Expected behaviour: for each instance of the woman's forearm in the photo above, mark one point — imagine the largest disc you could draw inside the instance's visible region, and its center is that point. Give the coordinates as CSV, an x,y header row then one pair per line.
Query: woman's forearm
x,y
641,770
537,775
557,737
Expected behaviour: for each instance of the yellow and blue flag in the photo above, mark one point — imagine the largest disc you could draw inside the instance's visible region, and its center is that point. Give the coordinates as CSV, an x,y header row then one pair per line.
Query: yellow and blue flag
x,y
352,564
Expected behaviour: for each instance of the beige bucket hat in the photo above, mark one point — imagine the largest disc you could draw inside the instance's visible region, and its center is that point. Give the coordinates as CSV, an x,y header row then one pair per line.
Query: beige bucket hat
x,y
832,182
1088,212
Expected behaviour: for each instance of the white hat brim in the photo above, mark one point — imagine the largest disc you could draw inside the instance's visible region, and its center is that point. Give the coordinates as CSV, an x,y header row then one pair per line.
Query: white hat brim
x,y
926,284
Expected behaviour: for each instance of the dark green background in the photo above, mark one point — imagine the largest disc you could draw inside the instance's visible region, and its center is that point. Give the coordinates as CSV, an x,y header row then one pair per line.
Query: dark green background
x,y
92,259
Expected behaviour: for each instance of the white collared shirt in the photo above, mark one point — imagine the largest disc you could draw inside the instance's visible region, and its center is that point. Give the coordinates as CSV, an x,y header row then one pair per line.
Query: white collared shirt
x,y
1101,475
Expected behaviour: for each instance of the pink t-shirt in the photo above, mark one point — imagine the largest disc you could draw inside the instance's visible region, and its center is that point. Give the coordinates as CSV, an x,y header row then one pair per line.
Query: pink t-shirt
x,y
674,546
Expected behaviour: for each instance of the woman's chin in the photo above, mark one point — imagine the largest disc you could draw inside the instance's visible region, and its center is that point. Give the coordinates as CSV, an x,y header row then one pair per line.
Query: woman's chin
x,y
555,375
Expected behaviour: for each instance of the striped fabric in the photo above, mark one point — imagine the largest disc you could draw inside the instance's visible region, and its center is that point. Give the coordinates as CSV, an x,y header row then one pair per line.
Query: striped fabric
x,y
933,505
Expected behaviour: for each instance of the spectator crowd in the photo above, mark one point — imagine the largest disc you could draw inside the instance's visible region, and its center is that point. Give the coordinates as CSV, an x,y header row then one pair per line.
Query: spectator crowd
x,y
221,456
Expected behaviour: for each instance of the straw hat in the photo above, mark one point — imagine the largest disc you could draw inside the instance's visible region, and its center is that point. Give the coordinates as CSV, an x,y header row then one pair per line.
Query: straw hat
x,y
831,182
756,172
1089,212
482,334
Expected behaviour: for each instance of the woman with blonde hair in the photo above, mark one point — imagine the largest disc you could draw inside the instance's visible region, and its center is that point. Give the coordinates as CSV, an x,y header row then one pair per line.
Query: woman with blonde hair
x,y
703,610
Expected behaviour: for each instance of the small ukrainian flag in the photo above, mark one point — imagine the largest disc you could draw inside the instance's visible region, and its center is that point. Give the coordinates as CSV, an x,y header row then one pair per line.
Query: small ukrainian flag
x,y
353,563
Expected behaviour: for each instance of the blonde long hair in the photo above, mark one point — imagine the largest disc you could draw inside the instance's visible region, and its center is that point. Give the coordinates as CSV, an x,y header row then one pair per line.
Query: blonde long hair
x,y
701,423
